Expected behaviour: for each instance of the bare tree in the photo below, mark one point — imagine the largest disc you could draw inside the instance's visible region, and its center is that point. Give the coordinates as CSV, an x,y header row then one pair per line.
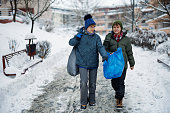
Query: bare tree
x,y
82,7
40,11
14,4
163,6
131,15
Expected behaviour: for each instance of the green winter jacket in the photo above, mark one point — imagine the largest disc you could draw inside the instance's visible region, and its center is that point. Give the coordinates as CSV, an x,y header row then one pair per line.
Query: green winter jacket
x,y
111,46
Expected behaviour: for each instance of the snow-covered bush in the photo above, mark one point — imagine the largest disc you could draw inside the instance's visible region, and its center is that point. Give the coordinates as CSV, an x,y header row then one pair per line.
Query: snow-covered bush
x,y
164,48
46,24
147,39
49,25
26,20
43,49
13,45
40,23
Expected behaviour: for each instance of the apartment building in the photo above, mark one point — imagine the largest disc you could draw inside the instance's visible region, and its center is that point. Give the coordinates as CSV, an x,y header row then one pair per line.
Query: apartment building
x,y
105,16
154,19
63,16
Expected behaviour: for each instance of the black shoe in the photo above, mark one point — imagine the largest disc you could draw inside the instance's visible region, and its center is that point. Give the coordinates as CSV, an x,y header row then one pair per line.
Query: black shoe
x,y
83,106
92,104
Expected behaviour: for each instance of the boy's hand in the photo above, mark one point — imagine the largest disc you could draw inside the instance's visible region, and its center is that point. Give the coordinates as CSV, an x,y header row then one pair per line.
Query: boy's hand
x,y
111,53
132,68
105,58
79,35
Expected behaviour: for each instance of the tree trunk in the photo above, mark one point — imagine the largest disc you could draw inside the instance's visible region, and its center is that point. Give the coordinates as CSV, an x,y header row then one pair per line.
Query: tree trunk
x,y
15,12
133,6
32,27
11,7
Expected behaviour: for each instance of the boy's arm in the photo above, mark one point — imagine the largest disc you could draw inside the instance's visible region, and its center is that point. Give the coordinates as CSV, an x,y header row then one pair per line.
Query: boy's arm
x,y
74,41
129,53
101,49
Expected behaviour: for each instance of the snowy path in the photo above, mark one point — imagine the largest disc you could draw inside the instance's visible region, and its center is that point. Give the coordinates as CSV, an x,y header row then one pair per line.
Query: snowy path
x,y
147,89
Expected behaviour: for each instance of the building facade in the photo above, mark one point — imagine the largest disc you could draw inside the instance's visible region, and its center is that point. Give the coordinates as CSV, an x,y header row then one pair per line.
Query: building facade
x,y
154,19
105,16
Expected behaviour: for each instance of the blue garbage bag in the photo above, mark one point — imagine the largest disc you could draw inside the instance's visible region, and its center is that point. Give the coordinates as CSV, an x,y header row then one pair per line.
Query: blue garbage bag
x,y
113,68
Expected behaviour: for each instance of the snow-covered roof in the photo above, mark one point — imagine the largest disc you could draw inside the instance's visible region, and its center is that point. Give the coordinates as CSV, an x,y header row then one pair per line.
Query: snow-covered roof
x,y
147,10
114,13
156,18
114,3
69,4
30,36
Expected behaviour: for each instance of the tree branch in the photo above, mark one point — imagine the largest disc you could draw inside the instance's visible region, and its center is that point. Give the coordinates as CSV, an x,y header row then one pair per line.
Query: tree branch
x,y
161,4
144,3
44,9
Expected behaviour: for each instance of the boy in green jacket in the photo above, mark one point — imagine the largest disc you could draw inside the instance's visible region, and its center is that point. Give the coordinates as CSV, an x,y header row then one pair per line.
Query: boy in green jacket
x,y
112,41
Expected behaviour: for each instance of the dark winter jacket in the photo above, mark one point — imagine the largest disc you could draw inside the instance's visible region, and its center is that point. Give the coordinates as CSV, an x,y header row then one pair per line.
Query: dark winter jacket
x,y
111,46
87,49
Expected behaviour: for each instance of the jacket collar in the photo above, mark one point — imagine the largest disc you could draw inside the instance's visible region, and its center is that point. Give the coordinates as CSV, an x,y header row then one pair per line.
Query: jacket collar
x,y
112,35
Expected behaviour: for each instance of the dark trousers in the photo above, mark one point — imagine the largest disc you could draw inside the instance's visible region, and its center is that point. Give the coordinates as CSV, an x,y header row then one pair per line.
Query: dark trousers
x,y
119,85
87,76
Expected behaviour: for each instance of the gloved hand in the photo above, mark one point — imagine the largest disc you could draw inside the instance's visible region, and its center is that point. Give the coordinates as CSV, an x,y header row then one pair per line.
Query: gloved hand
x,y
79,35
105,59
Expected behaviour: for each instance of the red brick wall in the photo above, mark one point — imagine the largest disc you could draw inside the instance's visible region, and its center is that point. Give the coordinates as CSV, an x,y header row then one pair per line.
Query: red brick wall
x,y
8,21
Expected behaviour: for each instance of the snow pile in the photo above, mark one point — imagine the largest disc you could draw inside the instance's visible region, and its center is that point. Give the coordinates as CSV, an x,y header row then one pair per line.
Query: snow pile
x,y
10,18
16,66
148,39
17,92
30,36
164,48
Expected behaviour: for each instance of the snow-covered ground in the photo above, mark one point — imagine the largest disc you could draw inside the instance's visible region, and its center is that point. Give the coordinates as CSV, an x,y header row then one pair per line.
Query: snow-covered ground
x,y
147,86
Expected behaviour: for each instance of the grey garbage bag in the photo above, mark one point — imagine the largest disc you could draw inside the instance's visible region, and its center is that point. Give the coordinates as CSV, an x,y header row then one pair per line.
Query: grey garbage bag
x,y
72,68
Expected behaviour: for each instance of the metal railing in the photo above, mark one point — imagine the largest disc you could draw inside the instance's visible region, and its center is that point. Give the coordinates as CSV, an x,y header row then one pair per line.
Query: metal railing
x,y
8,12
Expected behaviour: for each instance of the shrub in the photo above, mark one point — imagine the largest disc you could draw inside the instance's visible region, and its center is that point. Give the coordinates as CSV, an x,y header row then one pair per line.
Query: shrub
x,y
49,26
164,48
13,45
148,39
43,49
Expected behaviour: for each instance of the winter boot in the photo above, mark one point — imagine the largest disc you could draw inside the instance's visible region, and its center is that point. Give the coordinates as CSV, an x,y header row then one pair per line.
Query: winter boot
x,y
92,104
119,103
83,106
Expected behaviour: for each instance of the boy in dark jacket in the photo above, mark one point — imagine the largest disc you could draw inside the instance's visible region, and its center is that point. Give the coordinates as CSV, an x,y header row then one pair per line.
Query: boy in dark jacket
x,y
88,46
112,41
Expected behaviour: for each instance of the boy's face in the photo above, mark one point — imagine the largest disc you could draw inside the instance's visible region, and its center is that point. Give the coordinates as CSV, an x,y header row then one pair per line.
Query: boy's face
x,y
117,29
91,28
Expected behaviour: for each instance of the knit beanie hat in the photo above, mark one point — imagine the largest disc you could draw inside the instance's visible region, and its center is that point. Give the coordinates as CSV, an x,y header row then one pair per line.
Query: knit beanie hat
x,y
88,21
118,22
